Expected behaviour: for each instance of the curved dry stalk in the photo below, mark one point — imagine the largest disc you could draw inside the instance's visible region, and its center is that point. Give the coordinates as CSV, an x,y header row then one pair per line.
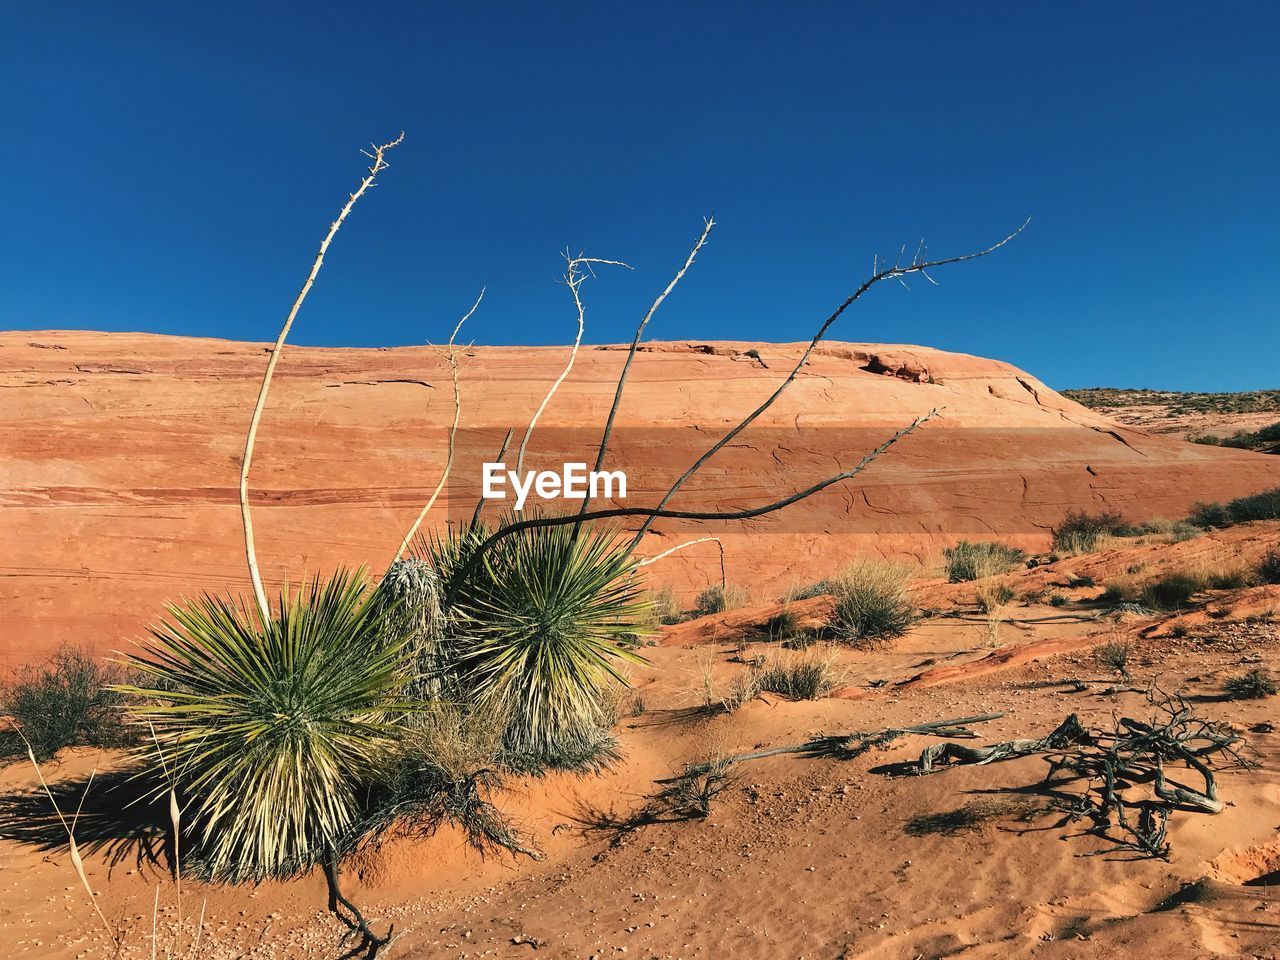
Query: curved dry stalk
x,y
451,356
77,862
708,225
724,583
576,272
895,272
377,166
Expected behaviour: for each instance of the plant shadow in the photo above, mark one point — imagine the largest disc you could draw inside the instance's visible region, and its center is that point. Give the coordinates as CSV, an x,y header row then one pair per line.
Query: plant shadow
x,y
117,815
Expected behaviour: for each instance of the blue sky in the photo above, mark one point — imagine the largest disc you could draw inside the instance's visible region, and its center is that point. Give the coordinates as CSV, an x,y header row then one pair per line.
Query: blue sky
x,y
171,167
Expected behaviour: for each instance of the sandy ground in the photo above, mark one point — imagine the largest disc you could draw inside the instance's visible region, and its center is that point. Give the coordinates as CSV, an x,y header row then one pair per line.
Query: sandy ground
x,y
802,857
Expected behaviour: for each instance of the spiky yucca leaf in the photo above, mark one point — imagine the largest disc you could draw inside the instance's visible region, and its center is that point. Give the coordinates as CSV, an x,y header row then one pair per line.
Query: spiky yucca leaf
x,y
270,725
541,629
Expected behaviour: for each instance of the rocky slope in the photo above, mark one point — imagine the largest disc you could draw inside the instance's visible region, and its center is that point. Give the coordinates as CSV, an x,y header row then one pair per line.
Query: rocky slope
x,y
122,451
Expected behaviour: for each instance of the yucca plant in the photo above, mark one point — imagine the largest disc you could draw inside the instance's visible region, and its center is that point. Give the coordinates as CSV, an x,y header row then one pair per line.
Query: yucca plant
x,y
540,630
271,724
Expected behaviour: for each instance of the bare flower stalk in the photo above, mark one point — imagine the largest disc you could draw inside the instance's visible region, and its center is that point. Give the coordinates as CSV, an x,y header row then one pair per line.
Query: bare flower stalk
x,y
378,156
577,271
451,357
708,225
76,860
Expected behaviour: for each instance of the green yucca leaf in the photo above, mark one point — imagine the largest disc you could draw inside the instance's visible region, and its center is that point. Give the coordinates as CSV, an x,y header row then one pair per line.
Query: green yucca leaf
x,y
541,629
272,724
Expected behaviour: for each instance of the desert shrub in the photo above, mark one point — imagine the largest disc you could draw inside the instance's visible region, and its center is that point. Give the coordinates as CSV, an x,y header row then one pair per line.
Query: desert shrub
x,y
1081,532
1058,600
1172,591
1076,583
666,610
873,603
973,561
1121,590
742,689
782,625
992,596
1269,566
1206,515
448,763
1259,506
539,632
1114,655
692,793
800,678
1232,578
1254,685
972,816
808,591
272,724
1175,531
718,599
67,701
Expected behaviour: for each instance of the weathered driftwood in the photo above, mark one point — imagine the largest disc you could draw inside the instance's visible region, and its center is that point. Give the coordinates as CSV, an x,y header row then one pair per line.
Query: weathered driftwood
x,y
1110,762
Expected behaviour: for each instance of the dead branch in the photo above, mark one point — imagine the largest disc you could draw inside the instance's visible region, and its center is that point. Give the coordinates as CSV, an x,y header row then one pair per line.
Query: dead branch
x,y
1111,762
895,272
709,225
451,357
378,156
477,555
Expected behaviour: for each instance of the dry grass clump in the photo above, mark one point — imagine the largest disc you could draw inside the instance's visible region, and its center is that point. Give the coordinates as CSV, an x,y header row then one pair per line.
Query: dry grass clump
x,y
807,591
1269,566
873,602
1082,532
974,561
67,701
1164,530
806,677
718,599
994,596
1254,685
1114,655
666,609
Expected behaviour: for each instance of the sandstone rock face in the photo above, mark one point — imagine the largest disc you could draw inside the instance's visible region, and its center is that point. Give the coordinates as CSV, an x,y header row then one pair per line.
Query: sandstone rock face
x,y
121,455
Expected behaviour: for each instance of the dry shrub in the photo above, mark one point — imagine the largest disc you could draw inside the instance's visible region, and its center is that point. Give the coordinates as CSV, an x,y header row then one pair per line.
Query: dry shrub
x,y
974,561
873,602
805,677
1254,685
666,610
718,599
66,701
992,597
1269,566
1082,532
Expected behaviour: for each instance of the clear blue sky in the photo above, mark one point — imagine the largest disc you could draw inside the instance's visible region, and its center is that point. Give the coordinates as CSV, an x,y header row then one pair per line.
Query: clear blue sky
x,y
170,167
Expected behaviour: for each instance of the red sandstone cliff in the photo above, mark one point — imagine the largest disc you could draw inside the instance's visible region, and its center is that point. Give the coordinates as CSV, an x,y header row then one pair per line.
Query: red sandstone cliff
x,y
121,453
